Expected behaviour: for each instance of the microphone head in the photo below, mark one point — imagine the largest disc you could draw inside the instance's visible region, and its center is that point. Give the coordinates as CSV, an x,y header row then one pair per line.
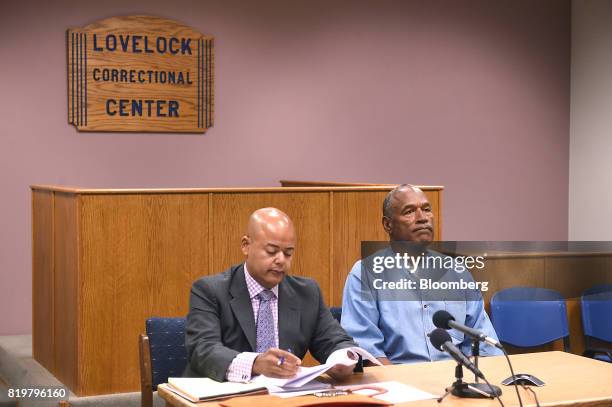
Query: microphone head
x,y
441,319
438,337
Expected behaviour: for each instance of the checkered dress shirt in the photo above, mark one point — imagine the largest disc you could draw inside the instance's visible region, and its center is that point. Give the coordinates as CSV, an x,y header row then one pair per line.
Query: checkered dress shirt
x,y
240,368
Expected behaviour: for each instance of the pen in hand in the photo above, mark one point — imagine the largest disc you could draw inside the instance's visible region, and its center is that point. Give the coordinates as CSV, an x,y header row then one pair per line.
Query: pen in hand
x,y
281,360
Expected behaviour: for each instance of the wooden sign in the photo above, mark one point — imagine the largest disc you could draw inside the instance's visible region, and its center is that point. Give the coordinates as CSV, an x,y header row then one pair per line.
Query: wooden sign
x,y
140,73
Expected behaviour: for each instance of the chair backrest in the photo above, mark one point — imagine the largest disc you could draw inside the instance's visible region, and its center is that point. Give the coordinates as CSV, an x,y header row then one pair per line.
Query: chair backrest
x,y
167,348
528,316
596,305
336,313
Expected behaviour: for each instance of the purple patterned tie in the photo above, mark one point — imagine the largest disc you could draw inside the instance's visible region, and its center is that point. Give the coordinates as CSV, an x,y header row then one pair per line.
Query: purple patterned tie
x,y
265,322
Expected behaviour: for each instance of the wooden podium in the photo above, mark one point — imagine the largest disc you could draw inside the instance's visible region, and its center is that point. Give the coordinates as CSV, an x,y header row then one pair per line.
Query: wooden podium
x,y
105,260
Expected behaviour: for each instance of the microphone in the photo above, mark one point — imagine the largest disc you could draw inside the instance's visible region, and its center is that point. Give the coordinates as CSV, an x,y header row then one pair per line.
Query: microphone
x,y
442,341
445,320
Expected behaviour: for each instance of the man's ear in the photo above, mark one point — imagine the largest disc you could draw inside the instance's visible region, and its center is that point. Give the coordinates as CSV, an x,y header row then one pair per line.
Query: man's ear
x,y
386,222
245,242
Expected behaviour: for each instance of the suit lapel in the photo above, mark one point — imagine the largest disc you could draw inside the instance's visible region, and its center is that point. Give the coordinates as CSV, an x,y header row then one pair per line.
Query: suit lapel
x,y
288,318
242,308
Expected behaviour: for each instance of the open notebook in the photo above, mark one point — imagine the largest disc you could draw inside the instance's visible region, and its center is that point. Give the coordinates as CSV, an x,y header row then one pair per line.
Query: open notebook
x,y
204,389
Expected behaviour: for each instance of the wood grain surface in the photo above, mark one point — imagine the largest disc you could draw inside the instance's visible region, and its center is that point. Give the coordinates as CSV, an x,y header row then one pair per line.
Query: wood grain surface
x,y
42,278
140,255
66,297
571,381
139,47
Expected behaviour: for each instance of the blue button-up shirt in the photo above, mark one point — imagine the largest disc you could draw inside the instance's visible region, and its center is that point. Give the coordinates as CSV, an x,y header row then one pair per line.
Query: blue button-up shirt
x,y
389,324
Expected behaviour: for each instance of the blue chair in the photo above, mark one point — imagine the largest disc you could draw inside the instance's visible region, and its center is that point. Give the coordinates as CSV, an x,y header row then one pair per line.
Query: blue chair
x,y
528,316
596,305
336,313
162,354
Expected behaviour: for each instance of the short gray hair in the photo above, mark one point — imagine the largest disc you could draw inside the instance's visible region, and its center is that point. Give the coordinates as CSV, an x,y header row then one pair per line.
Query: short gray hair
x,y
386,208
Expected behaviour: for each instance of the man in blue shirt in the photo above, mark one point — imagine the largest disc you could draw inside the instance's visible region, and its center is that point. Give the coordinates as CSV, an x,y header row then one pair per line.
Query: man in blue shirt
x,y
392,323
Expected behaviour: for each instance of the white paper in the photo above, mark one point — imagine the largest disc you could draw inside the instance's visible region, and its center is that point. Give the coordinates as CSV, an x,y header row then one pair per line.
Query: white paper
x,y
307,374
396,392
303,376
309,388
342,358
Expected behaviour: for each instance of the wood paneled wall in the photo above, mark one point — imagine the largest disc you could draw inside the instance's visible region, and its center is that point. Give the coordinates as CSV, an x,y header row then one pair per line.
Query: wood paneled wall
x,y
42,277
105,260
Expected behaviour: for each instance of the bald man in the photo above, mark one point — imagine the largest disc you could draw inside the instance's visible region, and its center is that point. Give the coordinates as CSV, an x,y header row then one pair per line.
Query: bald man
x,y
254,318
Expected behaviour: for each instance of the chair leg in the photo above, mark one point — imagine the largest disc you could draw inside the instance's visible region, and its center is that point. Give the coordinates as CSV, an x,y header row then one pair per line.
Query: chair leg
x,y
146,387
566,344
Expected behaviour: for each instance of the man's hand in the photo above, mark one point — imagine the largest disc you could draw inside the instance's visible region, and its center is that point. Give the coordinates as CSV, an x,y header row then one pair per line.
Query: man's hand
x,y
340,371
384,361
276,363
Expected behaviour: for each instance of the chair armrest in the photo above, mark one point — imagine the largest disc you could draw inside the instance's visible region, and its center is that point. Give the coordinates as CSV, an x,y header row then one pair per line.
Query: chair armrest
x,y
146,387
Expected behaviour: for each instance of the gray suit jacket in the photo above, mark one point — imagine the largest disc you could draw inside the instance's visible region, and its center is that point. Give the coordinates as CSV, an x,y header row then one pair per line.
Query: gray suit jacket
x,y
220,323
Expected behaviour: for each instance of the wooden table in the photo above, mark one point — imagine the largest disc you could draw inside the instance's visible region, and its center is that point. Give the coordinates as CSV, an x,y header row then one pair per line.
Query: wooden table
x,y
570,380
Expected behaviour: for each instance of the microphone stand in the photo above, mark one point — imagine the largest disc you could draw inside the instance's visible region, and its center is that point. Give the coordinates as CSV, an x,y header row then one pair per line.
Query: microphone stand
x,y
470,390
482,386
475,353
462,389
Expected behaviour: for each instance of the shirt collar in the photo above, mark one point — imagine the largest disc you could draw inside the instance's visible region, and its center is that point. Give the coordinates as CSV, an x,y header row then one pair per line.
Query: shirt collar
x,y
254,287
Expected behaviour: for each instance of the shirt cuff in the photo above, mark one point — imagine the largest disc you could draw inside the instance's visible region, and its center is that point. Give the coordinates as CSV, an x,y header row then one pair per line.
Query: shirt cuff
x,y
241,368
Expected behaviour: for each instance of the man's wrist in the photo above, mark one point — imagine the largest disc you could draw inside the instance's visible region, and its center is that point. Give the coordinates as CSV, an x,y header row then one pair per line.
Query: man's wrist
x,y
254,369
241,368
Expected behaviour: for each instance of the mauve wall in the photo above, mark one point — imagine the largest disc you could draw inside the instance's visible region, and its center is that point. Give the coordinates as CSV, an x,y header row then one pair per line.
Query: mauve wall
x,y
590,185
473,95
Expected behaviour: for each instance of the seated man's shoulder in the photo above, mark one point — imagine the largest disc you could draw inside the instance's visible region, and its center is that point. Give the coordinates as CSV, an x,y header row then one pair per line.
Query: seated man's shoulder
x,y
367,263
220,281
357,266
304,285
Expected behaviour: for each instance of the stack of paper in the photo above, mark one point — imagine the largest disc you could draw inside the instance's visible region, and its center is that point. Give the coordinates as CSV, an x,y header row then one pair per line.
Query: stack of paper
x,y
204,389
309,388
307,374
